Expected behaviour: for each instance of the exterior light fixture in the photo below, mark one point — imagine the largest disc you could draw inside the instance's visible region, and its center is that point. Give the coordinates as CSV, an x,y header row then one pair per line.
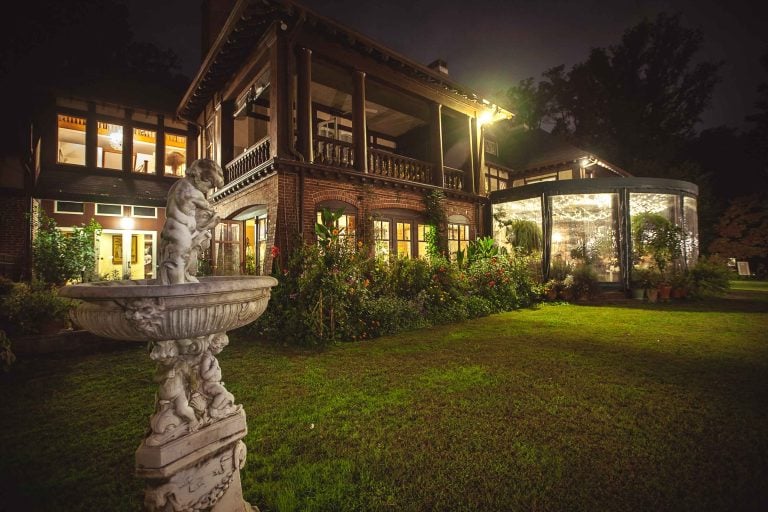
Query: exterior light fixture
x,y
126,223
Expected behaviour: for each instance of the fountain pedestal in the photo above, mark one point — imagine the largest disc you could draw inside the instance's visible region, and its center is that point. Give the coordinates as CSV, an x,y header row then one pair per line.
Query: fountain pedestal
x,y
193,452
192,455
197,471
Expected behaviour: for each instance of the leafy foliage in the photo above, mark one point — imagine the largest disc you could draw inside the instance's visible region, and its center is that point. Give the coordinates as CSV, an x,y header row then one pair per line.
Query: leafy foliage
x,y
656,236
28,308
742,231
436,237
630,102
333,291
7,357
60,257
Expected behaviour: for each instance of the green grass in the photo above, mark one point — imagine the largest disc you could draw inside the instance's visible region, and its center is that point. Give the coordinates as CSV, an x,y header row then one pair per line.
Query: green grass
x,y
619,407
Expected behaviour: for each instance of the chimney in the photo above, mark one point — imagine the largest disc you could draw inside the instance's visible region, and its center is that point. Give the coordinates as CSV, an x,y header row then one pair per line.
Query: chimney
x,y
215,13
439,65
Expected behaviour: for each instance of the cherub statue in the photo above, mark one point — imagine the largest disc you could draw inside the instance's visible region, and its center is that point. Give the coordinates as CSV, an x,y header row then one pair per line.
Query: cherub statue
x,y
221,402
189,218
172,407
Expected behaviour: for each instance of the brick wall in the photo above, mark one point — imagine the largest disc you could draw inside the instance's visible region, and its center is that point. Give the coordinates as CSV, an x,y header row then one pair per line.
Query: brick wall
x,y
286,211
13,236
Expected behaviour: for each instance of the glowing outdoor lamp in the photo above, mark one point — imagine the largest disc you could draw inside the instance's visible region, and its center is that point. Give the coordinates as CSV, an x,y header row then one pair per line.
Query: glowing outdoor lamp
x,y
126,223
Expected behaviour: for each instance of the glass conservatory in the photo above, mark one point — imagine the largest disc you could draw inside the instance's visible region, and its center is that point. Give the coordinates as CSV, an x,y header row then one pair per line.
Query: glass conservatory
x,y
589,221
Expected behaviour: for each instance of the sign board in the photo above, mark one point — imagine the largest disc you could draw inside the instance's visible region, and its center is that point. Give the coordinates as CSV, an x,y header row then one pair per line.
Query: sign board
x,y
743,267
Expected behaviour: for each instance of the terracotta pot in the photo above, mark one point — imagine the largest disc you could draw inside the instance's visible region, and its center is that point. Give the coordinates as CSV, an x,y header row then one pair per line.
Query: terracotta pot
x,y
652,294
664,292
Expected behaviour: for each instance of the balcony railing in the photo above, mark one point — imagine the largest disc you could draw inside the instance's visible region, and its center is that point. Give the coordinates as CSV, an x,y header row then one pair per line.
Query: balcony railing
x,y
334,152
397,166
454,178
248,161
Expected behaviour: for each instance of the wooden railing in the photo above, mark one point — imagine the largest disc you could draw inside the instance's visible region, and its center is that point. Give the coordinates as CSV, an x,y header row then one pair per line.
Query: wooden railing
x,y
454,178
248,161
391,165
334,152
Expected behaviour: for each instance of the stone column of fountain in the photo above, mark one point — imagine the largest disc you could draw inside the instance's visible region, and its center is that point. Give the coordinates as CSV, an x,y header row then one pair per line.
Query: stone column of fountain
x,y
193,451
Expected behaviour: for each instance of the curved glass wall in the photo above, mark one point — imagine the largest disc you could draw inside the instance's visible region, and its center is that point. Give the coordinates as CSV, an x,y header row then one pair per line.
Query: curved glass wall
x,y
590,221
585,231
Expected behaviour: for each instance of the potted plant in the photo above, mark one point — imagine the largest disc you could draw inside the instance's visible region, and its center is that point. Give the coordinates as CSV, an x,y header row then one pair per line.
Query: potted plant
x,y
652,280
657,237
638,282
585,282
680,284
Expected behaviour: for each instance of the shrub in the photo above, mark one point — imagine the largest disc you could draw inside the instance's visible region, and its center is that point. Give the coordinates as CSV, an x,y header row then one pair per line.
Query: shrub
x,y
710,277
28,308
59,257
6,286
7,357
585,281
389,315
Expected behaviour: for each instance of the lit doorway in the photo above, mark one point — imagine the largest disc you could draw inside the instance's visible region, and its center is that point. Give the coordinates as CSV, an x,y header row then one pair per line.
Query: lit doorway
x,y
126,254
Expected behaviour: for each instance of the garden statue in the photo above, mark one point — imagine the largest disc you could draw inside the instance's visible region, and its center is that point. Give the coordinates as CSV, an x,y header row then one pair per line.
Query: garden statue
x,y
189,219
193,451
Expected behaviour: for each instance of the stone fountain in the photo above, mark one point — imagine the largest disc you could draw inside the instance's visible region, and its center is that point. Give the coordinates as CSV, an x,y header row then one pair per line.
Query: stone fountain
x,y
192,453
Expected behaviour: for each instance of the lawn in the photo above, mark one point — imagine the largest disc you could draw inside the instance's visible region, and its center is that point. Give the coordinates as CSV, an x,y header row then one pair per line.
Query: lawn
x,y
624,406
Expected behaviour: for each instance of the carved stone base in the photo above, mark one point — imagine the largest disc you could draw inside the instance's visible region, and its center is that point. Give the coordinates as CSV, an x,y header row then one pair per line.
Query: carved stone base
x,y
197,472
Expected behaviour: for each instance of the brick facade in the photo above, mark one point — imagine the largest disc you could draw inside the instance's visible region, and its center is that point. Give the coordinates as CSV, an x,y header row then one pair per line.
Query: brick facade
x,y
14,235
292,202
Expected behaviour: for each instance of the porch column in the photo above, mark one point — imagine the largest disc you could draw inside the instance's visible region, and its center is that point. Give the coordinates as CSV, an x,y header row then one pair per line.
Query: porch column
x,y
160,158
128,163
227,135
279,96
469,169
480,154
359,129
304,105
91,138
436,144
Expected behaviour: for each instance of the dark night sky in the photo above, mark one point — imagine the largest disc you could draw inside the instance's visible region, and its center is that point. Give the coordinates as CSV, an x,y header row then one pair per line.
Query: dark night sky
x,y
491,44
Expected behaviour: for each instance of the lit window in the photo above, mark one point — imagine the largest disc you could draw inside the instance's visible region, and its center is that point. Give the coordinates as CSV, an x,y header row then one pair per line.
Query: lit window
x,y
109,210
71,138
422,231
381,237
458,238
69,207
404,239
175,154
110,146
496,178
144,143
345,224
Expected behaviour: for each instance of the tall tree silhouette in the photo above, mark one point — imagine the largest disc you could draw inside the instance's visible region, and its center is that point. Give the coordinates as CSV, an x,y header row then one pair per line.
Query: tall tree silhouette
x,y
634,102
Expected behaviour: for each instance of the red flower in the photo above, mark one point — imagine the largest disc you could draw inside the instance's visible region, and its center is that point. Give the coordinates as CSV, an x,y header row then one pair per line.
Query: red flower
x,y
275,251
491,283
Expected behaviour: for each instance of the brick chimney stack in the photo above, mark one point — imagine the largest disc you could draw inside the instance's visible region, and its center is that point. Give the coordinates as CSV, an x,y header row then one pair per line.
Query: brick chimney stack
x,y
439,65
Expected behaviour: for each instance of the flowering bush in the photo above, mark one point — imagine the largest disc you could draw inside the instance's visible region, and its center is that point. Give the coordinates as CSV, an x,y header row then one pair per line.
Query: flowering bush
x,y
332,292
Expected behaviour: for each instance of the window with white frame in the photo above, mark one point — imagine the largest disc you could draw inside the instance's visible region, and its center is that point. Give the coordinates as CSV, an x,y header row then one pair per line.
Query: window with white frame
x,y
149,212
109,210
72,207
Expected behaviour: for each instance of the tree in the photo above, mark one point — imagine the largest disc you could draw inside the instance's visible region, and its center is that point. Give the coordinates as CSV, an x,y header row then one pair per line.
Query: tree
x,y
742,232
631,103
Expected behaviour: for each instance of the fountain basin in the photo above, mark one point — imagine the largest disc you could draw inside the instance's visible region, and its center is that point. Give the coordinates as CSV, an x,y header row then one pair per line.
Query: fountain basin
x,y
141,310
